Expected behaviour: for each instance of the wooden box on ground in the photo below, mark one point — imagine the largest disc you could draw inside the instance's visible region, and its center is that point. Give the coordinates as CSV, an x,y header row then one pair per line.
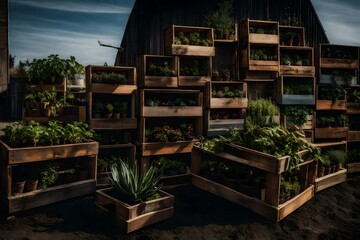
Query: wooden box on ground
x,y
157,79
170,103
134,217
14,157
270,208
194,71
172,48
332,178
292,90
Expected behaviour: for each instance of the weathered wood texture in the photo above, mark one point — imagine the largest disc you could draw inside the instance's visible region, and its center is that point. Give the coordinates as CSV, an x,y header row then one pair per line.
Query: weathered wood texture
x,y
4,44
330,180
148,20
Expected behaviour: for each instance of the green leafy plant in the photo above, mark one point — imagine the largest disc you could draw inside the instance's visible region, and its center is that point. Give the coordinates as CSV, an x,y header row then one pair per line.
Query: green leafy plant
x,y
221,20
299,113
336,156
109,78
289,188
261,112
48,175
333,92
171,166
192,38
165,70
126,180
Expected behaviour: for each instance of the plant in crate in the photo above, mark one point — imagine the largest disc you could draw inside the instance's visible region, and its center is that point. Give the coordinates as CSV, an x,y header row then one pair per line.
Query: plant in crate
x,y
48,175
332,92
222,20
133,187
262,112
324,165
171,167
298,113
289,187
337,158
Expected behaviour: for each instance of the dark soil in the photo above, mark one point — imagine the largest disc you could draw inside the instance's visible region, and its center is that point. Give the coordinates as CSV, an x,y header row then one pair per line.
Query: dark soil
x,y
333,213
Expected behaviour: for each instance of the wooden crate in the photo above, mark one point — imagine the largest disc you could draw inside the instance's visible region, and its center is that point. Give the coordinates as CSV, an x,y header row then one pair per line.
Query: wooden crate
x,y
335,61
329,104
330,180
205,66
257,65
247,36
306,53
270,207
297,30
352,108
287,121
158,81
216,127
293,99
40,87
43,153
133,217
227,102
162,148
353,167
127,150
129,72
327,79
235,29
13,157
171,111
191,50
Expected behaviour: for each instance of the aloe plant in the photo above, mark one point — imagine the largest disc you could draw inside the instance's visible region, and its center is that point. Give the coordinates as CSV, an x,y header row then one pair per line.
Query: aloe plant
x,y
135,187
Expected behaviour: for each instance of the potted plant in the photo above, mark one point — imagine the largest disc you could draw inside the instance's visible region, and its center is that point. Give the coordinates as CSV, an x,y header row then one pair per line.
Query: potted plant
x,y
98,109
135,195
226,73
215,75
222,20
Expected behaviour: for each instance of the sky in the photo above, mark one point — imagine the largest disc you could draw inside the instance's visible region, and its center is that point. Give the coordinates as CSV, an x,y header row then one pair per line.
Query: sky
x,y
39,28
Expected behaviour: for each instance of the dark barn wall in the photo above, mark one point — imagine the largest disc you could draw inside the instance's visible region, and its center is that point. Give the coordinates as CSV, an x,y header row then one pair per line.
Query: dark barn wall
x,y
148,19
4,52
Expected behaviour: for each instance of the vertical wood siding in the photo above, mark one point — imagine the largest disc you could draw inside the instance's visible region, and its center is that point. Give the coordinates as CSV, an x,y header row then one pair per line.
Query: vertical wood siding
x,y
144,30
4,52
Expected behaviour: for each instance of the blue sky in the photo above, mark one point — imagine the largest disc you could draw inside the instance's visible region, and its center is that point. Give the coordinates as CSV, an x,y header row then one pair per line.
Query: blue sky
x,y
39,28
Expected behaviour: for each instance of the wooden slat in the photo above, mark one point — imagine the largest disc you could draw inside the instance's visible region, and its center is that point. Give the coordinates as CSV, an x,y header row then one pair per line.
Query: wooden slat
x,y
43,153
229,102
153,81
353,135
174,111
297,70
330,180
50,195
193,80
338,63
112,123
330,104
112,88
335,132
353,167
149,149
263,38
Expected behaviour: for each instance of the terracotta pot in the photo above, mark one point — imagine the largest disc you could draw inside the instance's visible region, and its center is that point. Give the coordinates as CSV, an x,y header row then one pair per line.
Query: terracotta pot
x,y
46,112
31,185
290,42
18,187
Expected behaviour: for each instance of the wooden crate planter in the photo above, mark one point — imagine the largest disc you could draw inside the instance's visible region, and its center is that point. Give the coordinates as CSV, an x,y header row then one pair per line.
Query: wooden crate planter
x,y
328,56
282,97
215,127
230,39
204,64
330,180
287,121
158,81
291,36
353,135
126,150
171,48
270,207
247,63
290,65
330,104
13,157
227,102
171,111
353,167
133,217
327,79
250,32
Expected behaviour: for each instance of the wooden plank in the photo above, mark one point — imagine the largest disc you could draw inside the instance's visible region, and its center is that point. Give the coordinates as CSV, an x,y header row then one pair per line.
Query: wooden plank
x,y
50,195
193,80
297,70
43,153
154,81
189,50
112,88
263,38
112,123
352,109
175,180
330,180
229,102
272,188
149,149
335,132
353,167
353,135
296,202
173,111
288,99
338,63
330,104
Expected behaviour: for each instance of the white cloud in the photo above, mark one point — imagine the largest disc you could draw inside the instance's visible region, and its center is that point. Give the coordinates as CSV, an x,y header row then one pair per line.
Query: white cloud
x,y
73,6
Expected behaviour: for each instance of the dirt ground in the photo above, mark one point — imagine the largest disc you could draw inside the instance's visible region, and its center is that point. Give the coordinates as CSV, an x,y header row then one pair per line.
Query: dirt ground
x,y
333,213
